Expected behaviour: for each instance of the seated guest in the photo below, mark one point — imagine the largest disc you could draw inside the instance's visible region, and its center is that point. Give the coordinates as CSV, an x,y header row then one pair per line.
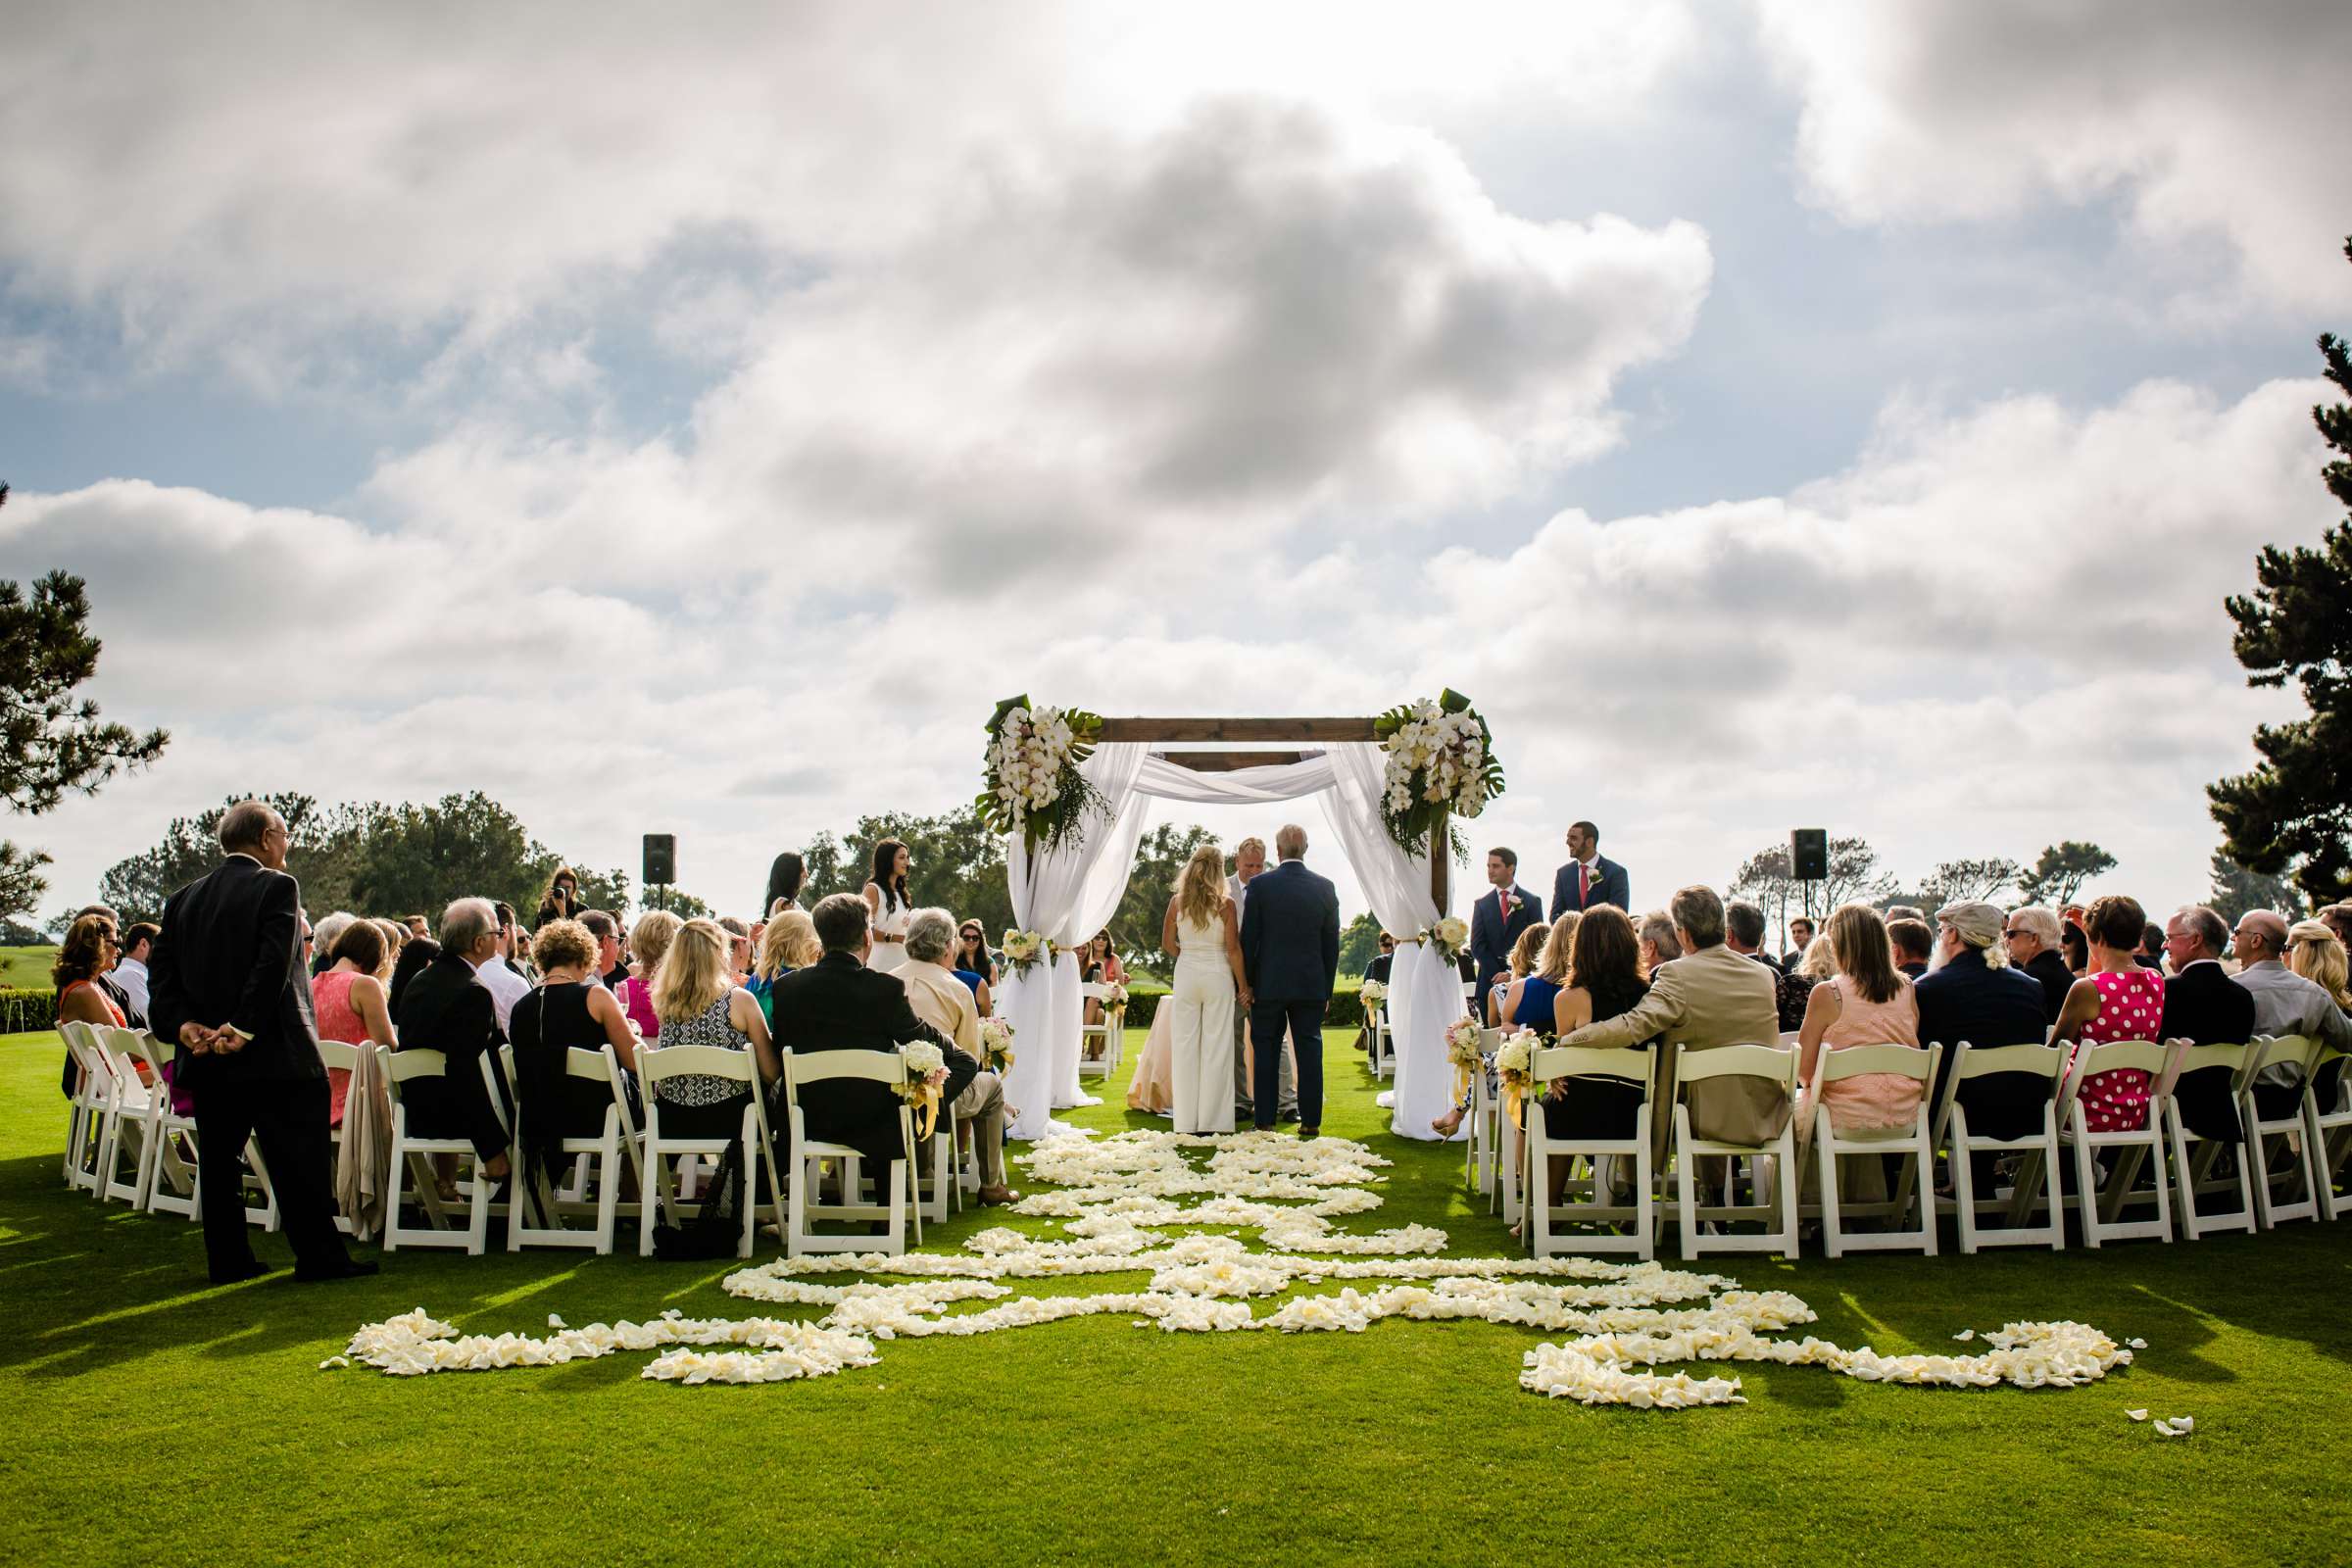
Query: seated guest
x,y
2285,1004
325,935
2337,918
1914,945
1743,928
649,939
84,954
699,1003
349,1003
1605,965
2037,948
944,1003
420,928
612,968
130,968
739,947
134,1012
1973,996
1524,952
2204,1006
839,1004
2077,950
568,1011
1801,938
415,955
973,957
1865,1001
1709,996
1659,942
1099,964
507,982
2313,951
789,944
446,1008
1816,966
2117,1000
2151,948
1905,911
396,937
1527,1003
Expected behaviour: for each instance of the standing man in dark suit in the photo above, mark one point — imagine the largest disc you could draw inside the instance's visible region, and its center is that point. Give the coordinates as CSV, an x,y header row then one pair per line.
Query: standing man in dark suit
x,y
838,1003
227,986
1499,916
1291,952
2204,1006
1589,877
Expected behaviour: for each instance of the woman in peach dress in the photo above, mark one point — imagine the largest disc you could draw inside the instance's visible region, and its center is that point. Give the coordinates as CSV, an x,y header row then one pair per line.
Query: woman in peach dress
x,y
1867,1001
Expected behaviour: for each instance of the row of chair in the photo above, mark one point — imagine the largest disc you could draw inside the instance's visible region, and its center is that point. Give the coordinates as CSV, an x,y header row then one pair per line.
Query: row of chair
x,y
2285,1168
121,1114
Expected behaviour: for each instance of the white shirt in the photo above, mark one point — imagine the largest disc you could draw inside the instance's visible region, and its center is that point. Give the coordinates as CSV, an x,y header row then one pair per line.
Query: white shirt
x,y
132,975
507,987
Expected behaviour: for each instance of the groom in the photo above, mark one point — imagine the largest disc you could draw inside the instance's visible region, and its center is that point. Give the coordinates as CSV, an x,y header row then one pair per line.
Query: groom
x,y
1290,954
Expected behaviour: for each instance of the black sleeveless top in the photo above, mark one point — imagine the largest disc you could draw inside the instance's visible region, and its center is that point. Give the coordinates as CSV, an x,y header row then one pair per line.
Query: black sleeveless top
x,y
551,1021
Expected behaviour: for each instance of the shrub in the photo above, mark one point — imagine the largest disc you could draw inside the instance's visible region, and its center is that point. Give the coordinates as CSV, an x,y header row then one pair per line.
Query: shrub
x,y
27,1008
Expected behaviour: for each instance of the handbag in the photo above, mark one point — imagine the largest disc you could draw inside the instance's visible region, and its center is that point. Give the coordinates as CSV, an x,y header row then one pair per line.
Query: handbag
x,y
711,1231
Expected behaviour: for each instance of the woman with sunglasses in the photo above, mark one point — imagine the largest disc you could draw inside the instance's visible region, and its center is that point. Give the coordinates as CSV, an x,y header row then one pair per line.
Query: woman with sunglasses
x,y
974,965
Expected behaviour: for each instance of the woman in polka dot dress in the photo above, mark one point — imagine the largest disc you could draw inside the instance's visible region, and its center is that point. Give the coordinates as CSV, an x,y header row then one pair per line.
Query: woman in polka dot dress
x,y
2117,1000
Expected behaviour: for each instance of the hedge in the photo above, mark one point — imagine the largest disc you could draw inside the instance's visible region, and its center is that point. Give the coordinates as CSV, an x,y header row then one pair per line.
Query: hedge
x,y
1346,1010
25,1008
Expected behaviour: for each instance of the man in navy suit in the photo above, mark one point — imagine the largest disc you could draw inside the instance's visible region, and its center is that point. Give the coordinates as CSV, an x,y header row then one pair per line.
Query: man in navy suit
x,y
1589,877
1290,954
1499,916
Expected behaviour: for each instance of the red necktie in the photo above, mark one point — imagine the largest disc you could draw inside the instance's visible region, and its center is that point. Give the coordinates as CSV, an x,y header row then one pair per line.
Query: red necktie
x,y
1584,883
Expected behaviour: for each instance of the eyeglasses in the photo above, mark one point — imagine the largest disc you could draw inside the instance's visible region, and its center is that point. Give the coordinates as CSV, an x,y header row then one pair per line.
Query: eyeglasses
x,y
2013,933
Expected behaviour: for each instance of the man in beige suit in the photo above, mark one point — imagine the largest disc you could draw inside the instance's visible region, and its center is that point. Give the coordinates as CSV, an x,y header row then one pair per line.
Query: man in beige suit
x,y
1708,996
946,1003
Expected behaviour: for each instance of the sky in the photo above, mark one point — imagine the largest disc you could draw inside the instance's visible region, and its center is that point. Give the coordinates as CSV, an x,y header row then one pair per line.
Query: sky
x,y
1771,415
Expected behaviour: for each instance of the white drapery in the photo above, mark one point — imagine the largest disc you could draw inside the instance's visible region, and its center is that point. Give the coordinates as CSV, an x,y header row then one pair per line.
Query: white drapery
x,y
1070,892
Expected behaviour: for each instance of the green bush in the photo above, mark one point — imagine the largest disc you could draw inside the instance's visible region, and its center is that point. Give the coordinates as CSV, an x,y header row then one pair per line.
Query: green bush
x,y
1346,1010
25,1008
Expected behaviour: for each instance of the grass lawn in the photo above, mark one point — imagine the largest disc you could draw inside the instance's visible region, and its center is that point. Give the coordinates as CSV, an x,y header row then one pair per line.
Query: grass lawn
x,y
26,967
149,1413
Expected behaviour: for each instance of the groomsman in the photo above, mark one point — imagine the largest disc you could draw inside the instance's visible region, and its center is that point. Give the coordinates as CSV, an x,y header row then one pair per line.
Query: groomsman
x,y
1589,877
1499,916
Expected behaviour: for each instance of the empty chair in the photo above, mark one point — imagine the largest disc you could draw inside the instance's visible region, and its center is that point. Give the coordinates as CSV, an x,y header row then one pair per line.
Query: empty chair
x,y
2018,1125
1776,1064
658,1195
892,1185
1101,1043
1591,1201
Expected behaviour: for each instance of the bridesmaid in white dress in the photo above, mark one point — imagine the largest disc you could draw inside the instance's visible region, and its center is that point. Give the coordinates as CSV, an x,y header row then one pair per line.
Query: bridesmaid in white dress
x,y
1202,930
893,911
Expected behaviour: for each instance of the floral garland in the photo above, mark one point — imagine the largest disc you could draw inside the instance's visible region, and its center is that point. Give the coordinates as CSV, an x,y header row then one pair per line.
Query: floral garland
x,y
1440,762
1032,783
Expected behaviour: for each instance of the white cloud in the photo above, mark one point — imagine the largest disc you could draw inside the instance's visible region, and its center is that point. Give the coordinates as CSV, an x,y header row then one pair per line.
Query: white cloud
x,y
2205,122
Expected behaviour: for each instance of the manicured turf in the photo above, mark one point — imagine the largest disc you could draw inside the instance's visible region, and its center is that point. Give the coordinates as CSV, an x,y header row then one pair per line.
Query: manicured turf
x,y
26,967
151,1417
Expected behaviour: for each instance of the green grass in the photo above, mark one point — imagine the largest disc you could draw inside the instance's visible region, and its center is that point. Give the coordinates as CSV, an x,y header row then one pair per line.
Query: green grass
x,y
148,1414
26,966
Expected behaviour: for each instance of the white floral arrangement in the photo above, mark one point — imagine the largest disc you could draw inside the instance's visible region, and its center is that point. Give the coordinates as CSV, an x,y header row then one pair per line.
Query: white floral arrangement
x,y
1031,781
1022,948
1515,1057
1373,993
1114,997
995,1045
1462,1037
1440,762
1450,936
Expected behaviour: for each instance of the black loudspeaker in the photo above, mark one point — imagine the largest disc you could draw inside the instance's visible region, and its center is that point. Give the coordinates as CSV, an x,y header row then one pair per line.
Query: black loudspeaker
x,y
1808,854
660,859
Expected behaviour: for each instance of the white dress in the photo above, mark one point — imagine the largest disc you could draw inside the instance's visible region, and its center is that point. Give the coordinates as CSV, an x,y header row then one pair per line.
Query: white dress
x,y
891,957
1202,1028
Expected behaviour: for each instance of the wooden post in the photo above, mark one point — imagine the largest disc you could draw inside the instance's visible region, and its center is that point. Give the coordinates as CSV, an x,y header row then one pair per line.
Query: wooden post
x,y
1441,863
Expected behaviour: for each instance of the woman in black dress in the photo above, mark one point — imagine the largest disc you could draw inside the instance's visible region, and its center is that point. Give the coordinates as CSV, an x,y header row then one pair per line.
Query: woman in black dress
x,y
569,1010
1607,967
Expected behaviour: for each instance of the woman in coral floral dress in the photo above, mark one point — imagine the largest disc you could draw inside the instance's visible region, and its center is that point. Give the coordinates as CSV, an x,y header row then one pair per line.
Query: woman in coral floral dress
x,y
2117,1000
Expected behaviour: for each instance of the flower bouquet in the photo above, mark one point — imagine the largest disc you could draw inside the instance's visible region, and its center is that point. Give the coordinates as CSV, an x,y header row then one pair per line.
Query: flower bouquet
x,y
1373,993
1462,1038
1114,998
1439,761
926,1069
1031,779
1514,1065
1023,948
995,1045
1450,936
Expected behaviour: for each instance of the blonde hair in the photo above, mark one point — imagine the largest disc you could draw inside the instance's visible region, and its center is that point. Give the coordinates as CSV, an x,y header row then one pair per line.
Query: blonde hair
x,y
1200,886
789,943
693,972
2314,952
1862,951
1558,960
1819,962
1523,950
650,938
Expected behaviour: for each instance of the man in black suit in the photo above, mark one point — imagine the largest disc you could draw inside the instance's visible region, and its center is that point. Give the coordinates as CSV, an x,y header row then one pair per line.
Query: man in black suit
x,y
1500,915
1914,945
1966,998
226,985
1291,952
446,1008
1589,877
2034,947
838,1003
2205,1006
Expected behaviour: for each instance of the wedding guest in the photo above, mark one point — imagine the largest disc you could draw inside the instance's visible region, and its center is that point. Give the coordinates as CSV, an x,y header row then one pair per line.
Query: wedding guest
x,y
2117,1000
506,983
86,953
568,1011
2077,950
1801,938
1201,927
785,876
2313,951
739,947
790,942
1528,1004
887,905
347,999
2285,1004
396,938
944,1003
134,1012
562,900
229,988
2204,1006
130,968
840,1003
420,928
1973,996
1865,1001
612,968
1605,965
1914,945
324,936
972,957
1377,970
1500,915
699,1003
2338,918
1589,879
414,956
649,939
1743,929
1659,942
1524,953
2151,948
1099,964
2037,948
447,1008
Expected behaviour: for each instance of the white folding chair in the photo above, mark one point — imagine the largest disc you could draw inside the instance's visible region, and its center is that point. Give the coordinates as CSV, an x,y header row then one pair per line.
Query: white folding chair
x,y
130,1119
2327,1114
1775,1064
946,1177
413,1164
339,1056
94,1098
1481,1171
2100,1209
1912,1142
2034,1182
1384,1051
891,1187
1590,1196
536,1219
170,1181
2194,1155
1094,1038
2301,1152
659,1197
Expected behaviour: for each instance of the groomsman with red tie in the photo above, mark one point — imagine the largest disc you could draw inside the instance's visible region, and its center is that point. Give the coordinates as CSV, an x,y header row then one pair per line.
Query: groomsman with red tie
x,y
1499,916
1589,877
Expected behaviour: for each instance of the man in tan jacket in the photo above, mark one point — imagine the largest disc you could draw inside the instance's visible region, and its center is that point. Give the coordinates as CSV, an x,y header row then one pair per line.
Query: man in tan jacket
x,y
944,1003
1708,996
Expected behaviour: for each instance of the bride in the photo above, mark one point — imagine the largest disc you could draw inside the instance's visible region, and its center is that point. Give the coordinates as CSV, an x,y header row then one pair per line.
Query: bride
x,y
1202,930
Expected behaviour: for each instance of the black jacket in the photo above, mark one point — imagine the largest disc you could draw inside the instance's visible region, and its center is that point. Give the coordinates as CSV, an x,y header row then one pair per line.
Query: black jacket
x,y
2204,1006
447,1009
1968,1000
1291,935
838,1003
2050,967
231,954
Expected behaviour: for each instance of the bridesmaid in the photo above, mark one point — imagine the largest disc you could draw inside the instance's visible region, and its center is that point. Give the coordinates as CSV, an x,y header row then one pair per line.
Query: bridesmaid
x,y
887,902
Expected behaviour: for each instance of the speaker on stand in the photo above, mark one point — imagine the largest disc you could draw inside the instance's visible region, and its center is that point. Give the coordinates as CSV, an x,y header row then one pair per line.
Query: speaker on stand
x,y
660,865
1809,860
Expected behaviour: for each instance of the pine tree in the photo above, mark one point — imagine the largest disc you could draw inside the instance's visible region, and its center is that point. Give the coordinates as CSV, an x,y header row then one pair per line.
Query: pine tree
x,y
2292,814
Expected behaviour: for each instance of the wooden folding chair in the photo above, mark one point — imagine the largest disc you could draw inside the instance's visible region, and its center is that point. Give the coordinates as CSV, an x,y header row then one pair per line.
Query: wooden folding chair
x,y
1588,1197
1776,1064
891,1187
2034,1182
2297,1154
1913,1143
539,1211
2193,1155
2100,1208
658,1195
413,1164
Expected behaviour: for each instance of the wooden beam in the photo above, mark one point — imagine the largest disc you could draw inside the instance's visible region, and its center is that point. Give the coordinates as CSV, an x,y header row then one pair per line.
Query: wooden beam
x,y
1233,762
1295,731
